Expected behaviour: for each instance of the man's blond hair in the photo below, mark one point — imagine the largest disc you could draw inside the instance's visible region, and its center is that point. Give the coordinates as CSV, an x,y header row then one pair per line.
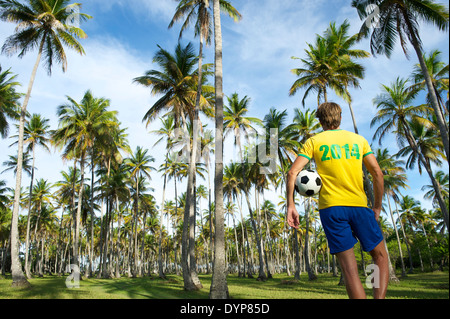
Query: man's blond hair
x,y
329,115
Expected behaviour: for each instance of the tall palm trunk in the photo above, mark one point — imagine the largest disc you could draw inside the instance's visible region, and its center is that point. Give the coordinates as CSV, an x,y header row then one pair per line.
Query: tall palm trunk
x,y
18,277
262,275
191,281
397,236
219,286
77,225
160,261
27,238
311,275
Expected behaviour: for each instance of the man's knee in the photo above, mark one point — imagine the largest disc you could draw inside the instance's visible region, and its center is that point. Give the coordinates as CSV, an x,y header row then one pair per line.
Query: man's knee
x,y
379,252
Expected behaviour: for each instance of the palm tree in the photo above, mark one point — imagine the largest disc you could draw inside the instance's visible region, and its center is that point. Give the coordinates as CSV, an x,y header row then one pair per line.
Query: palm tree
x,y
428,143
167,132
9,100
66,192
81,125
399,19
35,133
41,195
139,167
219,286
394,112
394,178
178,82
236,121
3,198
443,182
317,73
340,46
46,25
438,71
11,164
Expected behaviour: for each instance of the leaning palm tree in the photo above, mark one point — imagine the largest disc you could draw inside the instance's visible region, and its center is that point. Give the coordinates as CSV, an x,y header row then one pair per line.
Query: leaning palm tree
x,y
9,100
399,19
48,26
394,113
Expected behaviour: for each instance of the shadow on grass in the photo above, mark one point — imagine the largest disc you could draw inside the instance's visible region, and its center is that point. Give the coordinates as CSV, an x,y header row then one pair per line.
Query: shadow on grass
x,y
416,286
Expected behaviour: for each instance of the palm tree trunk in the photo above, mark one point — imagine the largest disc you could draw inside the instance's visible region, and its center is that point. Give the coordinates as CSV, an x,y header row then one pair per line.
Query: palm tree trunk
x,y
262,275
78,215
398,237
311,275
193,283
219,286
27,238
411,268
18,277
160,263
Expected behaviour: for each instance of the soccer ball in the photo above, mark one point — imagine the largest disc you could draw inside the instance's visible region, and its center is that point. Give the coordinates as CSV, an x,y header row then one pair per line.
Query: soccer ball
x,y
308,183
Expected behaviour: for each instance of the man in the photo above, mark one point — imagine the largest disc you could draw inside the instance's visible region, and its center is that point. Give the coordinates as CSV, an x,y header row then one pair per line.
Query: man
x,y
339,156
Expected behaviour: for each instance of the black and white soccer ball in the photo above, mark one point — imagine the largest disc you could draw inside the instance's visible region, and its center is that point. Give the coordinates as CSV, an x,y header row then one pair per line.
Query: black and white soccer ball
x,y
308,183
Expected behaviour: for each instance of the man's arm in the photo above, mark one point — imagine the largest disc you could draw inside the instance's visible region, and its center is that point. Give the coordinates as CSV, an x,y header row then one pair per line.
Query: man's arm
x,y
297,167
372,166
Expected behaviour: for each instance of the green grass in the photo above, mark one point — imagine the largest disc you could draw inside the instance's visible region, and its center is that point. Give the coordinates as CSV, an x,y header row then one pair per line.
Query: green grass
x,y
415,286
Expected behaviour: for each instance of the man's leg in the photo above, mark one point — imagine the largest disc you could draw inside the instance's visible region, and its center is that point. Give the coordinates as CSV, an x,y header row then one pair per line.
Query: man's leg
x,y
380,257
347,260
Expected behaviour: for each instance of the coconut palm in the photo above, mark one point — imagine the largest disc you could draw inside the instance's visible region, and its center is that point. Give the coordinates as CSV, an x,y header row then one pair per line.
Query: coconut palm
x,y
341,50
9,100
428,143
139,167
400,19
41,195
11,164
394,178
219,287
178,83
81,125
48,26
236,122
166,131
317,73
438,71
3,198
395,110
36,133
442,180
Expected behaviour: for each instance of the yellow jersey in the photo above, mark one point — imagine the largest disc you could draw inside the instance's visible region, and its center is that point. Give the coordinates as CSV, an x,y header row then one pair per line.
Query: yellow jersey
x,y
339,158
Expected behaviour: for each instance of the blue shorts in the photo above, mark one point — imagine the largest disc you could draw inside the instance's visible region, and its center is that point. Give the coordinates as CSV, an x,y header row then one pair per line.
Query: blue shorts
x,y
343,225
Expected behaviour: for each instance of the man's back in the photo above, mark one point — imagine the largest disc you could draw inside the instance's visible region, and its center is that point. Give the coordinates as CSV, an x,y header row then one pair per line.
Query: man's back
x,y
339,156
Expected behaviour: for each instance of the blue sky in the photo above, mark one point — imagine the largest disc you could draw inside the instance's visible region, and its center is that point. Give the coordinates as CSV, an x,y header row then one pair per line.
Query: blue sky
x,y
123,37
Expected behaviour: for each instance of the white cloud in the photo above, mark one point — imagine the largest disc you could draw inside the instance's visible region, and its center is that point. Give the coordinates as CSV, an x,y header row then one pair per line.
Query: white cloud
x,y
107,70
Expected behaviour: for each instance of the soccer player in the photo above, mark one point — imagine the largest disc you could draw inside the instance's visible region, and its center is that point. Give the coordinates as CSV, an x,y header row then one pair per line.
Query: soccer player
x,y
343,207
